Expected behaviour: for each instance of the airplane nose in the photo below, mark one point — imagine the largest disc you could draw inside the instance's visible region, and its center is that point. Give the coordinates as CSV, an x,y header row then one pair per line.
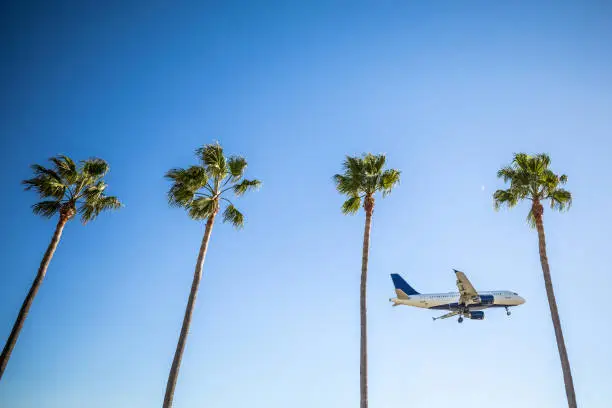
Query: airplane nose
x,y
521,300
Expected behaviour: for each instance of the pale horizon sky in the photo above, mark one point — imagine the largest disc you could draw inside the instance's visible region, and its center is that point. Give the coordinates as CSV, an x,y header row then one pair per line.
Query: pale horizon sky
x,y
448,90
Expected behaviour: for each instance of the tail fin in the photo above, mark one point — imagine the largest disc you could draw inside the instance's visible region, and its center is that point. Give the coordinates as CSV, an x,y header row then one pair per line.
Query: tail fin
x,y
402,288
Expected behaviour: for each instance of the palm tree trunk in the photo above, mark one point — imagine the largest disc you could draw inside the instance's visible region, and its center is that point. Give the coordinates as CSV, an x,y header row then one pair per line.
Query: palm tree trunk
x,y
363,372
25,307
554,312
180,347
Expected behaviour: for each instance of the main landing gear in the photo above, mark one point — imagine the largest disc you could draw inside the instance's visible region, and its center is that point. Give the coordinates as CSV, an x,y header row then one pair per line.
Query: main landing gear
x,y
508,311
463,312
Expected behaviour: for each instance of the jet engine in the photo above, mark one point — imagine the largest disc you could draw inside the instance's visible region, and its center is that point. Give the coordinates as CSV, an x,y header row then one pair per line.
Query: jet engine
x,y
476,315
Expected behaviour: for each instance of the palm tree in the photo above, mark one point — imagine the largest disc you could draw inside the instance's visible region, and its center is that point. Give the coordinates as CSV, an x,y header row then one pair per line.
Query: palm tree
x,y
68,189
362,178
201,190
531,179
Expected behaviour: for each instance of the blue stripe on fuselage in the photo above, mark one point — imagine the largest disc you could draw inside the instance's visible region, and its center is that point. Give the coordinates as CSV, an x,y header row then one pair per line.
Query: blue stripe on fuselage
x,y
455,306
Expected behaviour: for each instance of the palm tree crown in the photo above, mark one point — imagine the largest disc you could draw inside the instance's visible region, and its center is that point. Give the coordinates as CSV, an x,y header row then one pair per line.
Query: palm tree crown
x,y
71,188
530,178
362,177
200,189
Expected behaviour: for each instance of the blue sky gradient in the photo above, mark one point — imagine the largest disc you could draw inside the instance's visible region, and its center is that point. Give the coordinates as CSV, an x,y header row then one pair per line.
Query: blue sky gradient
x,y
448,90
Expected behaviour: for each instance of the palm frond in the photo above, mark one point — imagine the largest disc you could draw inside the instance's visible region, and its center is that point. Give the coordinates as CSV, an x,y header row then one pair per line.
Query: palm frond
x,y
95,191
505,197
351,206
43,171
374,163
212,156
88,213
236,165
246,185
353,164
109,203
66,168
92,208
543,183
180,195
347,184
94,168
560,199
389,179
531,221
186,183
506,173
46,186
202,208
47,208
233,216
542,160
521,161
193,177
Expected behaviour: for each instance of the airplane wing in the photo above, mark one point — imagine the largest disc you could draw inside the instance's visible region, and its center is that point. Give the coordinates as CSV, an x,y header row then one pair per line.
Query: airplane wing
x,y
446,316
468,294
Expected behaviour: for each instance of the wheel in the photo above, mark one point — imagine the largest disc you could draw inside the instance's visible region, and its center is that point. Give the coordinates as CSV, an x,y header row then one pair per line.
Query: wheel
x,y
460,320
508,313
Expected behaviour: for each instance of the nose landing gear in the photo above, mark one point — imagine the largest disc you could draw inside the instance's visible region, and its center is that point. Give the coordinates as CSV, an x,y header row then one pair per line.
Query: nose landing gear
x,y
460,320
508,311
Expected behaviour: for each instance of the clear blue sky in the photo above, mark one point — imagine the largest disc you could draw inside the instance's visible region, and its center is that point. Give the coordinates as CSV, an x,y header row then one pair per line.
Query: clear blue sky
x,y
449,90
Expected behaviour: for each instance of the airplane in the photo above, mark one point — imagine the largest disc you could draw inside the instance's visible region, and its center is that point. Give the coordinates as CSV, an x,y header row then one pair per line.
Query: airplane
x,y
467,302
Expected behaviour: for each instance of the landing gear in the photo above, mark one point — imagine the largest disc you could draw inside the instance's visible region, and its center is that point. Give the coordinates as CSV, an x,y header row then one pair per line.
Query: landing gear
x,y
460,320
508,311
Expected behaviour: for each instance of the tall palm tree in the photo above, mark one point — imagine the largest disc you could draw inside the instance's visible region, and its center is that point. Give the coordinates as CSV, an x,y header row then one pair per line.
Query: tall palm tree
x,y
363,177
531,179
68,189
201,190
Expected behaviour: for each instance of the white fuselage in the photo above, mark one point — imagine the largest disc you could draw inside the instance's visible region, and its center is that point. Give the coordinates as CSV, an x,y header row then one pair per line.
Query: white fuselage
x,y
500,298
